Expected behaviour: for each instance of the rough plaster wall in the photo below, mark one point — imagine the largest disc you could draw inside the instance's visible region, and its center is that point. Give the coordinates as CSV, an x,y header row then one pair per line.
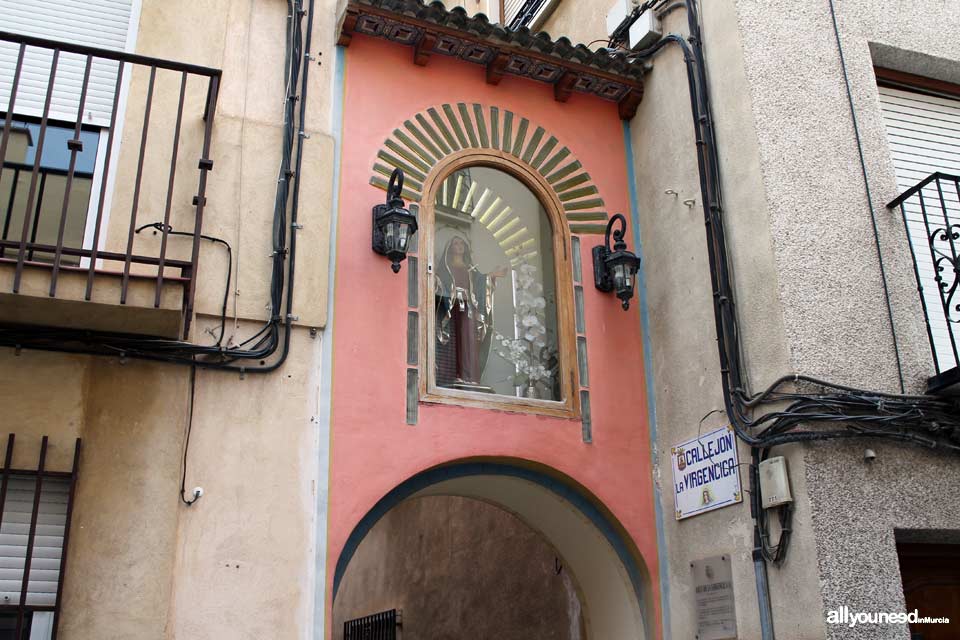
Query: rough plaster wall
x,y
830,282
830,286
459,568
686,368
859,507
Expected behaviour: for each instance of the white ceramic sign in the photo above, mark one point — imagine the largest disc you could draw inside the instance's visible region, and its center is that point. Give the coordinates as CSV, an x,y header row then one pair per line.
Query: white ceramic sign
x,y
706,475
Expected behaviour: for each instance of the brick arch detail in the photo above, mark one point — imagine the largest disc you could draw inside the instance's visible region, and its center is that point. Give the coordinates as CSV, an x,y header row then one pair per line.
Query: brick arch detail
x,y
425,139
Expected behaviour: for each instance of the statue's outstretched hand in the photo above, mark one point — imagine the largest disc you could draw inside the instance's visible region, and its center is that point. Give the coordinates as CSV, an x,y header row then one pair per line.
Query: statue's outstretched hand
x,y
500,272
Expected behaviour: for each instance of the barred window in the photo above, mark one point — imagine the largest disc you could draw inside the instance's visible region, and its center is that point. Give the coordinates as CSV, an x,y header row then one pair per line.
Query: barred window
x,y
35,509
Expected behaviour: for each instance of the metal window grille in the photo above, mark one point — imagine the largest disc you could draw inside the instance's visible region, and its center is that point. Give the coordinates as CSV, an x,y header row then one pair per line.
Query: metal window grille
x,y
35,511
377,626
521,14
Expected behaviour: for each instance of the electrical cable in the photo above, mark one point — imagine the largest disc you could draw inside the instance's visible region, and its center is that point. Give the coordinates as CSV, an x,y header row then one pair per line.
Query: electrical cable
x,y
186,440
226,292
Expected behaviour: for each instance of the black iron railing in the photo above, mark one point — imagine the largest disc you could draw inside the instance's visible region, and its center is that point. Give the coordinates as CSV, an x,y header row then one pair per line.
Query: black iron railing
x,y
24,202
931,216
378,626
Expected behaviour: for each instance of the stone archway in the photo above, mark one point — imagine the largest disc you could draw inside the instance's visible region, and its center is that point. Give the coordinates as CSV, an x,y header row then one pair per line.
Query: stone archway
x,y
614,585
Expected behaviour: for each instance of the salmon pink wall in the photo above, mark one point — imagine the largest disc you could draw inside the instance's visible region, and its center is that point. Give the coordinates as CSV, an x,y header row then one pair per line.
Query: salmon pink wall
x,y
372,448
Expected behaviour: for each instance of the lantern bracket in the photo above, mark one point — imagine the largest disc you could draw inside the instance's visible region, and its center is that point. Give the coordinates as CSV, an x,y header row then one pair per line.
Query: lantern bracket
x,y
601,275
614,269
392,212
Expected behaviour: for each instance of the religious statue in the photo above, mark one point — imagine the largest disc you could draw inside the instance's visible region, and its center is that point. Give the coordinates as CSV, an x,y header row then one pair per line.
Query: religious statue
x,y
464,308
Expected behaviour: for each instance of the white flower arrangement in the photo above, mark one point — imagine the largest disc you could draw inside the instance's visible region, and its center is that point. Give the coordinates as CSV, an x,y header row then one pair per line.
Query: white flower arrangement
x,y
534,359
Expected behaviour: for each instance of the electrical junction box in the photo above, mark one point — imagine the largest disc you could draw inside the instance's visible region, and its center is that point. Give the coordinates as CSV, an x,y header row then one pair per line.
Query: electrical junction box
x,y
619,13
642,33
774,483
645,31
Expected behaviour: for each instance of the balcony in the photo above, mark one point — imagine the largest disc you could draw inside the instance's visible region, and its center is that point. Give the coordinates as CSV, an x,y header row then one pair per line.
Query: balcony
x,y
102,187
931,216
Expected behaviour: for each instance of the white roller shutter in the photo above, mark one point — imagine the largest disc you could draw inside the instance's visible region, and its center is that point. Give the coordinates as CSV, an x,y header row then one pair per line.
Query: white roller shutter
x,y
510,10
48,539
96,23
924,136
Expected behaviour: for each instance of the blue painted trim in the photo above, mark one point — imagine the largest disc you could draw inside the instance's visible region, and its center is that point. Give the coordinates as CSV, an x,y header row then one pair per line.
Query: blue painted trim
x,y
434,476
326,363
648,368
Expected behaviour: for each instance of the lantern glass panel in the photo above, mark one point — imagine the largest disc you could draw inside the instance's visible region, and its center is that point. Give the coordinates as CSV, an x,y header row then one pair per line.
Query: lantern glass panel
x,y
494,283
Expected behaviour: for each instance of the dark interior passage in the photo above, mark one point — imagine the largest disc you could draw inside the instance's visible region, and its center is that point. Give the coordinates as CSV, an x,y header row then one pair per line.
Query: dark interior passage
x,y
460,568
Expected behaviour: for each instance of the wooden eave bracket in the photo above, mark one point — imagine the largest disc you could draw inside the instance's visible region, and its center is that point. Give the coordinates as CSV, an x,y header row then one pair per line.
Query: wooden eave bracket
x,y
423,49
347,25
496,68
563,88
627,107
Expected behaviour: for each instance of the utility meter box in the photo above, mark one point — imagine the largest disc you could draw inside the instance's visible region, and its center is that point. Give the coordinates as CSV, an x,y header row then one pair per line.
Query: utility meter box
x,y
618,14
774,482
645,31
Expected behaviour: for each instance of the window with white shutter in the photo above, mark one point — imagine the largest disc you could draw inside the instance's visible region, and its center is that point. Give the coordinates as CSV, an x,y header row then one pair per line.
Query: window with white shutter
x,y
105,24
96,23
923,131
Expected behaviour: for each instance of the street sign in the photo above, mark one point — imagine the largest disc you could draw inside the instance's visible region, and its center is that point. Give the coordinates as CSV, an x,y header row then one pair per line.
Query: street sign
x,y
706,475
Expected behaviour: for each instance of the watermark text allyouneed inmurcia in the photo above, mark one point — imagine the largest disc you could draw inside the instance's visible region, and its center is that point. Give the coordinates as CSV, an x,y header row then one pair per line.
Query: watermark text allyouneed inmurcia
x,y
845,616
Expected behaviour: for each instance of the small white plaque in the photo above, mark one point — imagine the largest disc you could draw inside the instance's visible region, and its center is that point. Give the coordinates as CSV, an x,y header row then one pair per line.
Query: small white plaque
x,y
706,475
716,611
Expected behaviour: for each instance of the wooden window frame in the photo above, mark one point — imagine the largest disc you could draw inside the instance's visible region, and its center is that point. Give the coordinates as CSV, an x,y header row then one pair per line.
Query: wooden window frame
x,y
911,82
569,405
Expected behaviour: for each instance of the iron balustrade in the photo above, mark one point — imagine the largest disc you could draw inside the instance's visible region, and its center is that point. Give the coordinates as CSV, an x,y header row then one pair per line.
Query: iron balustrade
x,y
931,217
19,242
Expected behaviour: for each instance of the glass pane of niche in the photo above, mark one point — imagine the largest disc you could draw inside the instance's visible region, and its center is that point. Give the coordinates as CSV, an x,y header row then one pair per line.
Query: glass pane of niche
x,y
494,288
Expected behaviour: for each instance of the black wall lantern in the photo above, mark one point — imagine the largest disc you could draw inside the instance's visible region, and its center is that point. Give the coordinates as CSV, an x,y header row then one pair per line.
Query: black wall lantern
x,y
614,270
393,225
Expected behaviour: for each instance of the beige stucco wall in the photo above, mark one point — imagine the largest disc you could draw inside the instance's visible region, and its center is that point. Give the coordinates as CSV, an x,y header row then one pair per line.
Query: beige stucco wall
x,y
123,534
579,21
141,564
241,562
